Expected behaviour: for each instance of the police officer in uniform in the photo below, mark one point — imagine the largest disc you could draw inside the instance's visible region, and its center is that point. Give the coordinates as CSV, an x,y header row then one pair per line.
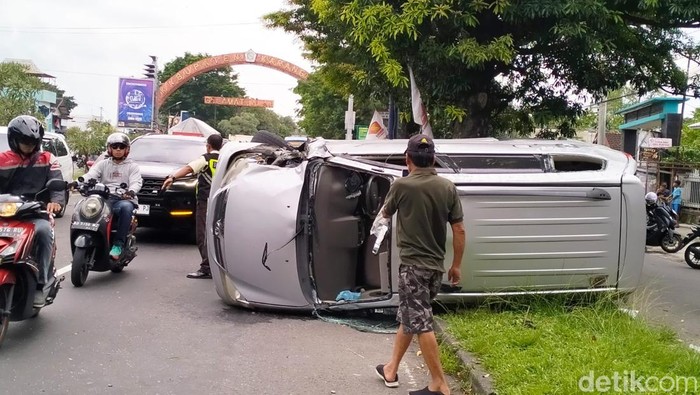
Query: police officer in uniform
x,y
204,167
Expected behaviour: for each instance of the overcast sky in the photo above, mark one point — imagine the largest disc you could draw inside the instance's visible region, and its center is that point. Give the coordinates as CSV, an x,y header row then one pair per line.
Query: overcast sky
x,y
87,44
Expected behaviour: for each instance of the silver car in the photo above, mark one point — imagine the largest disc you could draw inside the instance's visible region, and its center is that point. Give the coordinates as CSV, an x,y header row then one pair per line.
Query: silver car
x,y
288,228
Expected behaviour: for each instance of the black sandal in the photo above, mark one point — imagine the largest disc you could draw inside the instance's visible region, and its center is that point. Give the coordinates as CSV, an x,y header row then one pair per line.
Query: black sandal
x,y
425,391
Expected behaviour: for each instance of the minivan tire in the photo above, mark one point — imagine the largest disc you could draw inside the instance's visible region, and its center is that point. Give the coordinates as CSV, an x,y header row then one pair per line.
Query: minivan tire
x,y
269,138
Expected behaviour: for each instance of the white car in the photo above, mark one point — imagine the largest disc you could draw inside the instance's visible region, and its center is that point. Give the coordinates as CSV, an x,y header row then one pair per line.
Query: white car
x,y
288,228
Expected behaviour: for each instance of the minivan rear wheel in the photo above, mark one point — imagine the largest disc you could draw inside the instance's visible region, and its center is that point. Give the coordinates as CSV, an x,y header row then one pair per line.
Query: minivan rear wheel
x,y
269,138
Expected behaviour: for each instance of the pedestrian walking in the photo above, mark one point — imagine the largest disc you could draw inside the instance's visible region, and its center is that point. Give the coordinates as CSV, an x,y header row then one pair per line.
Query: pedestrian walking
x,y
204,168
424,203
676,197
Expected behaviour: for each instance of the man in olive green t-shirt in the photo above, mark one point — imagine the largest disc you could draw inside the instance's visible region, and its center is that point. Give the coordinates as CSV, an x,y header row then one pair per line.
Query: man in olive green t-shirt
x,y
425,203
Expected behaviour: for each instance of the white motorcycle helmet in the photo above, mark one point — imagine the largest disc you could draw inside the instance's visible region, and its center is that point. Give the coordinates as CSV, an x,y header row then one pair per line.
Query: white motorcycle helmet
x,y
651,197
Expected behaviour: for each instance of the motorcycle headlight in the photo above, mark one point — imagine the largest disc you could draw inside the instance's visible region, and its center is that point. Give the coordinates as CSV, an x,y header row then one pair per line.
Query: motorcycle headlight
x,y
9,209
91,207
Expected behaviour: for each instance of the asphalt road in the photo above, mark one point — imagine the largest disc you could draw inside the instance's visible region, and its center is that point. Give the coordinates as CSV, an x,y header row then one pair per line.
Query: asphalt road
x,y
150,330
669,293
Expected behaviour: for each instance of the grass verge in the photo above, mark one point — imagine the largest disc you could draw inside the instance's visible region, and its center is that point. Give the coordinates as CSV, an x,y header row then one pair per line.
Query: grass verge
x,y
560,345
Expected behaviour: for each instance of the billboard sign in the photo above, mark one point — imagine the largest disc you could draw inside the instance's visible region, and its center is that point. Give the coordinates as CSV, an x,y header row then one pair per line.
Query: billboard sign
x,y
135,103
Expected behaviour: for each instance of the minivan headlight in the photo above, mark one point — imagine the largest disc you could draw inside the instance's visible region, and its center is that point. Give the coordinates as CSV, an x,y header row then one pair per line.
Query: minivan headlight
x,y
91,207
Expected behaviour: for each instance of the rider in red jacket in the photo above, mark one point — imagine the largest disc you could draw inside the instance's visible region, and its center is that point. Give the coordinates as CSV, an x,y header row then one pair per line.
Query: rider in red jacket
x,y
25,170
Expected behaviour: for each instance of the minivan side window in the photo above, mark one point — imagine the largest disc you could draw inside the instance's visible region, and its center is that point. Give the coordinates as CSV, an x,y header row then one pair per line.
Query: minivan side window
x,y
61,149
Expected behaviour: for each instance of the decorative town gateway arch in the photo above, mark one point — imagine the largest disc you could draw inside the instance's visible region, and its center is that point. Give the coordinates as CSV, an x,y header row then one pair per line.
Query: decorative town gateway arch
x,y
214,62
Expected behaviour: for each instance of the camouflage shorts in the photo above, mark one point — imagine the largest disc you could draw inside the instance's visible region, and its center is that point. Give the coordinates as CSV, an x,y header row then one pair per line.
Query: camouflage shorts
x,y
417,288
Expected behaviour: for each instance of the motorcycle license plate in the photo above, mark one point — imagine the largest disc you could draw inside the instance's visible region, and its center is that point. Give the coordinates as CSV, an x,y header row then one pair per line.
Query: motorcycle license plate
x,y
7,231
85,226
143,209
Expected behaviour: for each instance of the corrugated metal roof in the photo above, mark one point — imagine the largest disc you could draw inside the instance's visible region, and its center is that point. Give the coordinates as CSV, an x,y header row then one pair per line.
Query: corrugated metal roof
x,y
31,67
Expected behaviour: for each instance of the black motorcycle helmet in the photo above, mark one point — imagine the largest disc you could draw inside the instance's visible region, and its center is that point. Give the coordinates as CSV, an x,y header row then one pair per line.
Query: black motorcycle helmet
x,y
25,129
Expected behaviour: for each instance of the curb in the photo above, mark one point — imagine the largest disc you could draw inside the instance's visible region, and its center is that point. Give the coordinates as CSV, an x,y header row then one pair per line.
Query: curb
x,y
478,378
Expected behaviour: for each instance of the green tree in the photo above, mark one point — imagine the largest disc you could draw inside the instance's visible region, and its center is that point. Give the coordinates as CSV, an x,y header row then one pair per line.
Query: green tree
x,y
245,123
68,101
219,82
17,91
90,141
250,120
616,100
690,138
483,63
323,106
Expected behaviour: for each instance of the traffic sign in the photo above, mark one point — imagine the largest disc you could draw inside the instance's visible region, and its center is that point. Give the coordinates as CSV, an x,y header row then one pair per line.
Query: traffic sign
x,y
658,142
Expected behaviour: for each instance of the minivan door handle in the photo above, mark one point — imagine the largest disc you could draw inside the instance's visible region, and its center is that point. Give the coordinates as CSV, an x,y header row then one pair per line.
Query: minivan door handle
x,y
598,194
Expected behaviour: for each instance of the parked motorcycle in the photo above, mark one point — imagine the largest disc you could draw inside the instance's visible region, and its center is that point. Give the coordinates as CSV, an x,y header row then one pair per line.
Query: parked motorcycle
x,y
19,273
661,229
92,230
692,253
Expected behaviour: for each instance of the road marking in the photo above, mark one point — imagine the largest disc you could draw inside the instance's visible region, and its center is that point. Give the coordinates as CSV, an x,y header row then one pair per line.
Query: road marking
x,y
63,270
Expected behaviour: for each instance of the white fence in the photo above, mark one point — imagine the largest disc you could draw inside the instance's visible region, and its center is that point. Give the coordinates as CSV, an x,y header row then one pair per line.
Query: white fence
x,y
691,190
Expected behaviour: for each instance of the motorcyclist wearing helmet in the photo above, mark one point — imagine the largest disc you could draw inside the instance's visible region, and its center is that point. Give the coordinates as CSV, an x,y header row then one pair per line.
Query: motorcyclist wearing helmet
x,y
25,170
117,169
650,199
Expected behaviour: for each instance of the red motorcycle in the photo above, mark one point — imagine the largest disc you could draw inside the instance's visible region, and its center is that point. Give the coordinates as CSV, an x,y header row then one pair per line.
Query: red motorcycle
x,y
19,271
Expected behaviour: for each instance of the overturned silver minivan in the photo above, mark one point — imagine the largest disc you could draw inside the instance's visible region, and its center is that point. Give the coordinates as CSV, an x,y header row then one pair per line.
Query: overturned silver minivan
x,y
288,228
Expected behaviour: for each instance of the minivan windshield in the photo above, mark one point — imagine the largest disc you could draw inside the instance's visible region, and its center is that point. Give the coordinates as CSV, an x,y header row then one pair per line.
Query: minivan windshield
x,y
179,151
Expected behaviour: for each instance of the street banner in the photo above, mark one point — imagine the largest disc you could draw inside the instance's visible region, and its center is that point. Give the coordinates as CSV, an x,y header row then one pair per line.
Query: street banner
x,y
135,103
377,130
420,115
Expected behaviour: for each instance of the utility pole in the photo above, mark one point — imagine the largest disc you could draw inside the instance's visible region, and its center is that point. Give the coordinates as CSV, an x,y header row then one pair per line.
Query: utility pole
x,y
602,120
685,92
349,119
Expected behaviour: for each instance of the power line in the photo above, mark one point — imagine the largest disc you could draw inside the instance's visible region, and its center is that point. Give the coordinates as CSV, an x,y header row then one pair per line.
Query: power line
x,y
114,29
117,75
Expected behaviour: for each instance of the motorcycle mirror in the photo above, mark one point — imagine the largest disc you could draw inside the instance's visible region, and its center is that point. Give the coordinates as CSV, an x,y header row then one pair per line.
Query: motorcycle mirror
x,y
56,185
123,185
81,179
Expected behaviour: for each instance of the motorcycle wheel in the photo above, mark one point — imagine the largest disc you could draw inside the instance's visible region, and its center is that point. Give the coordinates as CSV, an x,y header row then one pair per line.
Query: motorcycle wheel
x,y
79,268
672,245
692,255
5,290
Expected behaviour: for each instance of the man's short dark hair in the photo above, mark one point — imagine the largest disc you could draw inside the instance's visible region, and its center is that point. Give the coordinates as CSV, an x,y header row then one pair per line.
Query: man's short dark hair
x,y
421,159
216,141
421,150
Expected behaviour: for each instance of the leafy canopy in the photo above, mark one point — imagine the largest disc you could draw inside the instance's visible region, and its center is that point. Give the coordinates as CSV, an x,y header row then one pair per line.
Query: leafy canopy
x,y
17,91
484,66
219,82
90,141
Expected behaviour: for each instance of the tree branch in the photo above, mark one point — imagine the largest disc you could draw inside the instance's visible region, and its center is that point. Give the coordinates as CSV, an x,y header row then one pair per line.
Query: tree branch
x,y
636,20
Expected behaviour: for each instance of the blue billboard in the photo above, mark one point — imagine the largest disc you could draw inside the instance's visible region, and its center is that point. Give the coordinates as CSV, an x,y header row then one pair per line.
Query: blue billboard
x,y
135,103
